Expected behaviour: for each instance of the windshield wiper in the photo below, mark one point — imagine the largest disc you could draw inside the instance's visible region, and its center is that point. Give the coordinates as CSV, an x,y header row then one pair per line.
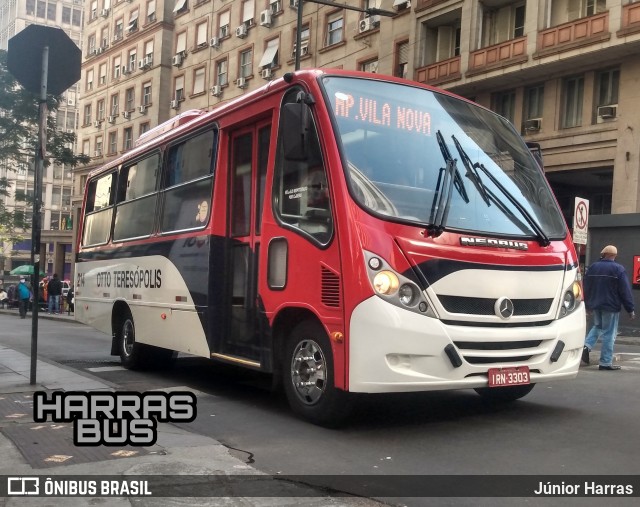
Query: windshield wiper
x,y
472,173
543,239
448,178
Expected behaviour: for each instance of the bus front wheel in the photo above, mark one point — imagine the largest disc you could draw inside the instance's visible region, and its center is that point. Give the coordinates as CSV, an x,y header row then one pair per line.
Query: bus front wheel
x,y
308,377
504,394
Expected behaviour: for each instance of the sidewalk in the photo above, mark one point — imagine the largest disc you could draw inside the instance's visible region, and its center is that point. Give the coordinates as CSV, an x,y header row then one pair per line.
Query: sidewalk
x,y
179,457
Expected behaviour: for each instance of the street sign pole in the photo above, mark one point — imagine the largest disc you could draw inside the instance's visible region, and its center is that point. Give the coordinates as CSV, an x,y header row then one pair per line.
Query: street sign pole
x,y
41,148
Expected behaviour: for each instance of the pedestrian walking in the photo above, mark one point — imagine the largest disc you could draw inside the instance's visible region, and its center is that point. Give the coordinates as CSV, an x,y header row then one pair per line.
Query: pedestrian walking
x,y
606,291
54,291
4,299
24,294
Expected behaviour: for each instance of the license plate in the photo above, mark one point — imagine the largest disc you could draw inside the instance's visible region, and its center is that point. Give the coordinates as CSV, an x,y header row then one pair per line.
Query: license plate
x,y
516,376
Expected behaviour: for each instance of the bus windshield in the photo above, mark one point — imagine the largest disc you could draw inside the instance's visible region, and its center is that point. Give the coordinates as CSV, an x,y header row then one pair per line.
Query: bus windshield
x,y
422,156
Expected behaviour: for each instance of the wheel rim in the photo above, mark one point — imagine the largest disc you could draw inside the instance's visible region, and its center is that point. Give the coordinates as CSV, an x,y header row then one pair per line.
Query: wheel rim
x,y
128,337
308,372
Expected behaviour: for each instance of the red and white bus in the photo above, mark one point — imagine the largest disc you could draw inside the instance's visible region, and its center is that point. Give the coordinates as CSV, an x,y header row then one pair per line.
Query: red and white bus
x,y
346,232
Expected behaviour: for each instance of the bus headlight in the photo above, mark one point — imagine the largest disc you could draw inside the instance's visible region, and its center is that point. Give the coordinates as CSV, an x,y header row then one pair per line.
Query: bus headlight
x,y
385,283
395,288
571,299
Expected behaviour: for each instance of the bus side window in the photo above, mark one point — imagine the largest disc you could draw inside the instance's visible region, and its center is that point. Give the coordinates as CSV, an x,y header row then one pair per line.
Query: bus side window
x,y
136,199
302,192
188,183
99,210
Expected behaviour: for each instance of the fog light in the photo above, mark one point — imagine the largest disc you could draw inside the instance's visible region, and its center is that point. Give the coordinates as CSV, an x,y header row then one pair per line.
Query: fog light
x,y
407,295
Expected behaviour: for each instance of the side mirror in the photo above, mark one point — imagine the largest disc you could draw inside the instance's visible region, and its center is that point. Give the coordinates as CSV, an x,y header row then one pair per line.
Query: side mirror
x,y
295,124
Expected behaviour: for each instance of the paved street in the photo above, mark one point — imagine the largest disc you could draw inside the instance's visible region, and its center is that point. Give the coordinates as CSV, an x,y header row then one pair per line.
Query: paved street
x,y
587,426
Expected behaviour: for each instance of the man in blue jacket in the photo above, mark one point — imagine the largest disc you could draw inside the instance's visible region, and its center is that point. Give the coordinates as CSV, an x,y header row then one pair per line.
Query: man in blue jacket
x,y
606,291
24,294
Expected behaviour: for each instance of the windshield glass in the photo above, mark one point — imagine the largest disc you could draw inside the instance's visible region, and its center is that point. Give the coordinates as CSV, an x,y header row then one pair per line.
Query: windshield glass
x,y
426,157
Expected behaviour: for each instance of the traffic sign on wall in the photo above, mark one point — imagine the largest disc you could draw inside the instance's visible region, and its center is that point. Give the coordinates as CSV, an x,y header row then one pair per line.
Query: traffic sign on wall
x,y
580,221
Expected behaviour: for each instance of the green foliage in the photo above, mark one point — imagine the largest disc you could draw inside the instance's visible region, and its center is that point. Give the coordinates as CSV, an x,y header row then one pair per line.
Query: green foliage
x,y
18,141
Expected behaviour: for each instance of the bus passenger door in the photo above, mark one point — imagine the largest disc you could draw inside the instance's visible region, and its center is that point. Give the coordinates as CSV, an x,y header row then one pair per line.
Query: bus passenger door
x,y
249,152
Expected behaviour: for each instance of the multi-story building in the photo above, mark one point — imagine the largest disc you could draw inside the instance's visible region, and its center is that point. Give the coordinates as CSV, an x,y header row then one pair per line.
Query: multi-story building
x,y
56,238
564,72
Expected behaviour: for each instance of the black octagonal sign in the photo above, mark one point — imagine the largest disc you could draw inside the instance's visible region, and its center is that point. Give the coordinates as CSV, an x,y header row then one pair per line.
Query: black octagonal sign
x,y
24,59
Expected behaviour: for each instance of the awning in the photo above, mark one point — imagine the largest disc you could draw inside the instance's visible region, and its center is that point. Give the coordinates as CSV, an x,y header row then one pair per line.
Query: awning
x,y
270,53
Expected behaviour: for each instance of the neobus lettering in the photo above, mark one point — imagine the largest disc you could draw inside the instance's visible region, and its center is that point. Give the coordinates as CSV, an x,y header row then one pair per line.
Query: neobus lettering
x,y
147,278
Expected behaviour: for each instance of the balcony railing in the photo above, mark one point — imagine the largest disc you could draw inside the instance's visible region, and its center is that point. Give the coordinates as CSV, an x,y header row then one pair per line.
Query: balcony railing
x,y
439,72
499,55
630,19
574,34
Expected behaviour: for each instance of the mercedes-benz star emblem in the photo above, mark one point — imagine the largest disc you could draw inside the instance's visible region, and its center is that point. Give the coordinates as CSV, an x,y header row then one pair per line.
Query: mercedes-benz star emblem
x,y
504,308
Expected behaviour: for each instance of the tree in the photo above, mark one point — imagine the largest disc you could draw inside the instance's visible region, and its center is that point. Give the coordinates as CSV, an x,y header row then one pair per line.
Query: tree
x,y
18,140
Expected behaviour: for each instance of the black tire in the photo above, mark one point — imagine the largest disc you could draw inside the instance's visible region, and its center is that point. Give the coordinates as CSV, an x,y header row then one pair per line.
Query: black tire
x,y
504,394
131,352
308,358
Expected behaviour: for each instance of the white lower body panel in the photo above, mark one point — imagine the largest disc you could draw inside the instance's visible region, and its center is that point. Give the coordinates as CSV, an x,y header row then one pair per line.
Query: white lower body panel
x,y
396,350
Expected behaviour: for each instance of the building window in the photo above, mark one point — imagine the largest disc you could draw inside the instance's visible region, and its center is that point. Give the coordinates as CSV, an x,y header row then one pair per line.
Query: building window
x,y
31,9
504,103
132,60
113,143
181,42
145,127
248,12
115,103
222,75
128,138
608,82
51,11
179,88
91,44
201,35
130,97
103,73
223,24
100,111
502,23
116,67
89,80
94,10
98,152
133,22
85,147
334,28
402,59
146,94
148,51
269,58
369,66
180,7
66,14
76,17
119,30
246,63
573,93
533,102
592,7
87,115
198,81
151,11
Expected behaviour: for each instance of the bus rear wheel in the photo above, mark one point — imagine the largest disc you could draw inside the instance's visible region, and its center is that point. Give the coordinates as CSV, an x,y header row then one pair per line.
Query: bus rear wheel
x,y
308,377
504,394
130,350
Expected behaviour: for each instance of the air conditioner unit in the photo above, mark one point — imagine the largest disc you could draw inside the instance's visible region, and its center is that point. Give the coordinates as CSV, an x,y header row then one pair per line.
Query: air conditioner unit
x,y
145,63
174,104
70,131
125,70
606,112
214,42
126,115
177,60
96,124
368,23
293,4
99,50
111,119
224,31
216,90
71,101
241,82
142,109
533,124
266,73
97,153
148,60
265,18
104,13
117,37
241,31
